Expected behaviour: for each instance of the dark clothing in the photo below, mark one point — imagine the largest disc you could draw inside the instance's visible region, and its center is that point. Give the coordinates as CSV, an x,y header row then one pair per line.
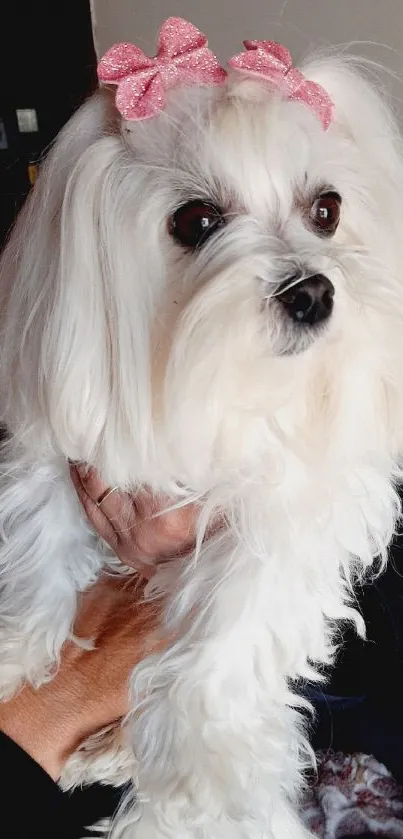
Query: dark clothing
x,y
360,709
33,805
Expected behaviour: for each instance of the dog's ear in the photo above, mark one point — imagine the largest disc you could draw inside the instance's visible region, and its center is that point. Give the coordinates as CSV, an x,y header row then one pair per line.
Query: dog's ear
x,y
70,360
372,169
363,113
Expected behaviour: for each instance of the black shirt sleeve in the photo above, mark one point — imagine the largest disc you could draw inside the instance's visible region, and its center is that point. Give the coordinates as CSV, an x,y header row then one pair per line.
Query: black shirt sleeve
x,y
31,803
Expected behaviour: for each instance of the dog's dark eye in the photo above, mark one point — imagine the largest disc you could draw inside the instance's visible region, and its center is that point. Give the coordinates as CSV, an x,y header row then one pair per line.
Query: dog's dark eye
x,y
194,222
325,213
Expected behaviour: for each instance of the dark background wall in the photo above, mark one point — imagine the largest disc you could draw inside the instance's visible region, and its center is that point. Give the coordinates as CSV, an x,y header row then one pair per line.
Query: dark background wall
x,y
47,62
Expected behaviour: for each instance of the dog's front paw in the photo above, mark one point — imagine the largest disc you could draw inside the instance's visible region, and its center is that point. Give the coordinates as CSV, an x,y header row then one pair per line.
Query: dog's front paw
x,y
102,758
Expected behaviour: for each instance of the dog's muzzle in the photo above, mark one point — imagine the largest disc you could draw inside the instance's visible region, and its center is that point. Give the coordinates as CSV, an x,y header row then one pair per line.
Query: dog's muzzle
x,y
308,301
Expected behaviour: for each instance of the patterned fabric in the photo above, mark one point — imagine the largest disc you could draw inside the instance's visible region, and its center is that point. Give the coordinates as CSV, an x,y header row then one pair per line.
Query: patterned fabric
x,y
351,796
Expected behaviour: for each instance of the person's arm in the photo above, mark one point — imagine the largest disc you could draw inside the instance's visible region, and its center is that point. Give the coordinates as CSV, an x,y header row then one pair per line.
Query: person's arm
x,y
40,729
89,691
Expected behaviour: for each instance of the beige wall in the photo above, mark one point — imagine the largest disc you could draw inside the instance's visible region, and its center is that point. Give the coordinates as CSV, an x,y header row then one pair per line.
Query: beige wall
x,y
299,24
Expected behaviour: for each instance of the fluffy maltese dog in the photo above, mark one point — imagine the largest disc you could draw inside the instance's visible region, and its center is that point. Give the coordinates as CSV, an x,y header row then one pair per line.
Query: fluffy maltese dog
x,y
204,295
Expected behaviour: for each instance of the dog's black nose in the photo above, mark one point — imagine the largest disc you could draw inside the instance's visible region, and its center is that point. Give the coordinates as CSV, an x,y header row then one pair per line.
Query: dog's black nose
x,y
309,301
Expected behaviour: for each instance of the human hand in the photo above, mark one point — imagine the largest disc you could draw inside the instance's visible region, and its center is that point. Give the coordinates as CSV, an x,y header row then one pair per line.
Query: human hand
x,y
135,526
90,689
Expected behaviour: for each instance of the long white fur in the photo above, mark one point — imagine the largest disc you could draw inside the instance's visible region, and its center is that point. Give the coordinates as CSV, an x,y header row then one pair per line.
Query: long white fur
x,y
180,371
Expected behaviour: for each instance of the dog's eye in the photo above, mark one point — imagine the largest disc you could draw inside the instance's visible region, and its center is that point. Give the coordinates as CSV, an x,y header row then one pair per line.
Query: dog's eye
x,y
325,213
194,222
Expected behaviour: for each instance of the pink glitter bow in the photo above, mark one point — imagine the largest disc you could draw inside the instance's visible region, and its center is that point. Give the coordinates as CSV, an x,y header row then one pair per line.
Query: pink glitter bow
x,y
182,58
273,62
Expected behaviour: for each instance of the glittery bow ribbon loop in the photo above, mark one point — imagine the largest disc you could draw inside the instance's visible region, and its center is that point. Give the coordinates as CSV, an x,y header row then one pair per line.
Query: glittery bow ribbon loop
x,y
272,62
182,58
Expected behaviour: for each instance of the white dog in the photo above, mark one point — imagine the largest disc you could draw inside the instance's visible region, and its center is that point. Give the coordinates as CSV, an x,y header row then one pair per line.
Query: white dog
x,y
209,302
